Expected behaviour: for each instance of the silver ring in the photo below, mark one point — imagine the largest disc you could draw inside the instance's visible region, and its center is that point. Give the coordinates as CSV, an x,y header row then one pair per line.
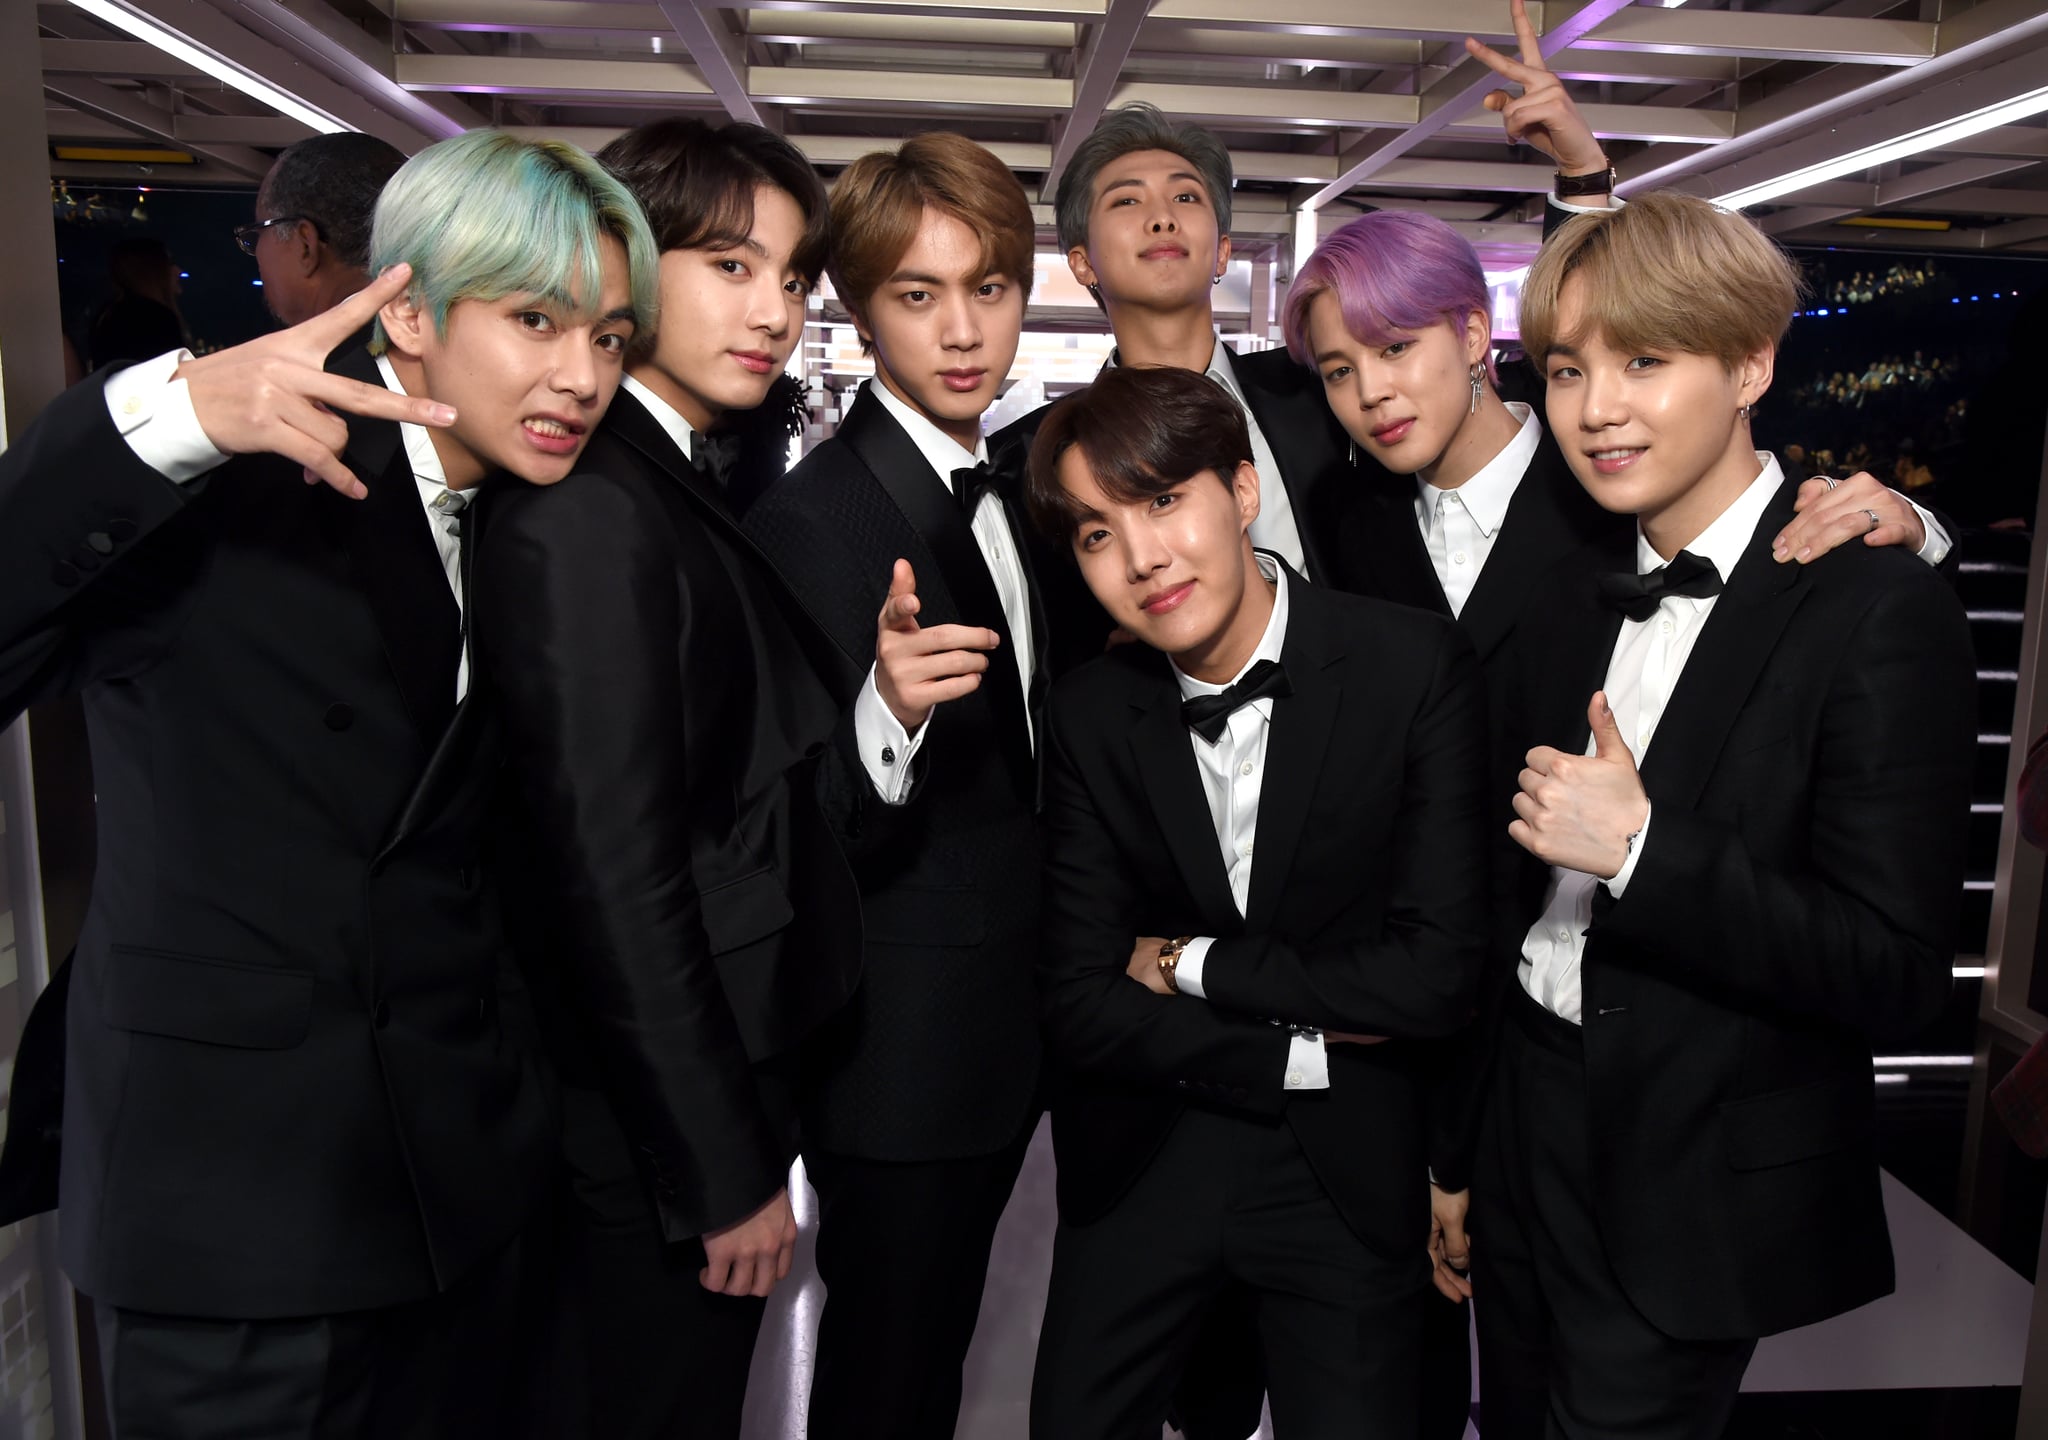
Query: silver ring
x,y
1832,482
1874,521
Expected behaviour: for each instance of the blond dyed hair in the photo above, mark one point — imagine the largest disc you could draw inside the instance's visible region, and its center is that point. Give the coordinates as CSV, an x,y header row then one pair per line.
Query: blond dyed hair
x,y
1666,272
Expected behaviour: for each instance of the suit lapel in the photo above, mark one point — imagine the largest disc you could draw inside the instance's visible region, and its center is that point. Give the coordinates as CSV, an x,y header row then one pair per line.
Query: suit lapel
x,y
1286,402
394,562
1296,746
1166,767
1738,636
1398,566
927,502
1537,532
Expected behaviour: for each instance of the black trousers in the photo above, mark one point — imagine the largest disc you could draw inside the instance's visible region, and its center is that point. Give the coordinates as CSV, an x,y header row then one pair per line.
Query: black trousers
x,y
1562,1350
1227,1202
446,1368
903,1250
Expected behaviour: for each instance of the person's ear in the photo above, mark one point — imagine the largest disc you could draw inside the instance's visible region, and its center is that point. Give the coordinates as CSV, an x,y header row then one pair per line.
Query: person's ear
x,y
305,243
1754,373
1244,487
407,325
860,327
1222,255
1478,337
1084,273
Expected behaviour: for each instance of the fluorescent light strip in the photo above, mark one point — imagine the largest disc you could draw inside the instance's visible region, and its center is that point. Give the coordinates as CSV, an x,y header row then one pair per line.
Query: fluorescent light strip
x,y
1930,138
175,45
1922,1062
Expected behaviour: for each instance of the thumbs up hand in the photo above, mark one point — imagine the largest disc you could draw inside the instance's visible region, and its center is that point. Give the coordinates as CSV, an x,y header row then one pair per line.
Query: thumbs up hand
x,y
1578,811
918,667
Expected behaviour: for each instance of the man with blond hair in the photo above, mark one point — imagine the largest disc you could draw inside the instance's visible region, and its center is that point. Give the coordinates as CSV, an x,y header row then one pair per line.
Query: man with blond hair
x,y
298,1141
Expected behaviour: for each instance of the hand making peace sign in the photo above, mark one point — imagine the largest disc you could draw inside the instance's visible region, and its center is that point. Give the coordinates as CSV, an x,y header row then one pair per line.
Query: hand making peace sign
x,y
1543,115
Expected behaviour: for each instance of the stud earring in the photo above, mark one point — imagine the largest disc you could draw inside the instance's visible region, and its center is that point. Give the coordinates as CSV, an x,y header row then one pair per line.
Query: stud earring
x,y
1478,386
1215,279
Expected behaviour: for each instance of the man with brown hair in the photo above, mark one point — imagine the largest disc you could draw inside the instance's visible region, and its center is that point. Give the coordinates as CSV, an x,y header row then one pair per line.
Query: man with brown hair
x,y
922,1094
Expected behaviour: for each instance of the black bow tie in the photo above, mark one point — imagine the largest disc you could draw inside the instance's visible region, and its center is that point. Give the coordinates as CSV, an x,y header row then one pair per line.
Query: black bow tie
x,y
714,455
1209,715
971,484
1637,596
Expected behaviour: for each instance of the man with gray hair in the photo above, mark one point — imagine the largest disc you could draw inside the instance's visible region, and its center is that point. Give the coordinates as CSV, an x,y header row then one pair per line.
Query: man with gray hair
x,y
1144,216
311,236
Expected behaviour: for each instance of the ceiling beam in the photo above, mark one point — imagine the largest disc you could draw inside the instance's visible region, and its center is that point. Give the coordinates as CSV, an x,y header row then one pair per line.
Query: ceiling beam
x,y
1096,71
530,16
720,55
1896,193
1483,18
205,174
799,26
1645,67
120,58
1456,94
1068,10
321,36
126,107
1671,124
1760,35
1266,107
661,79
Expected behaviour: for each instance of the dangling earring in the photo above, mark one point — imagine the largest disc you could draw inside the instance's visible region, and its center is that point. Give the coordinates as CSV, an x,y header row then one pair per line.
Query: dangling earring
x,y
1353,457
1478,386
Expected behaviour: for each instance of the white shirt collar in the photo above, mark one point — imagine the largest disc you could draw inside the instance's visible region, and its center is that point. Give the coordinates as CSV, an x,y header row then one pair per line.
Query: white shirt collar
x,y
419,446
665,415
1270,644
1218,368
1487,494
1726,540
940,450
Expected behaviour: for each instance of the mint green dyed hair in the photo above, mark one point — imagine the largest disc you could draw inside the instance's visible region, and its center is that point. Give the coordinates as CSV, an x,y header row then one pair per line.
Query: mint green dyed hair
x,y
486,215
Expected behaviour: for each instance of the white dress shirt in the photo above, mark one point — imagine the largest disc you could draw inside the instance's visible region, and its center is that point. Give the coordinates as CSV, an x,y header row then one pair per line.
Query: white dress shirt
x,y
1275,528
886,748
677,428
1233,773
1649,656
154,414
1459,526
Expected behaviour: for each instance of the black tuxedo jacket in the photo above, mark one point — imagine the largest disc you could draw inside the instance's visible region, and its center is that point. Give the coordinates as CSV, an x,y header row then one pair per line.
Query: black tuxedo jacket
x,y
1795,900
689,908
937,1054
1366,910
288,1090
1310,447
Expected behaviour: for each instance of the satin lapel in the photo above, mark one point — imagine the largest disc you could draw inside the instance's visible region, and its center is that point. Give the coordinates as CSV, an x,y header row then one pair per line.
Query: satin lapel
x,y
1737,639
927,503
1549,517
1309,446
1166,766
1384,529
458,745
394,562
1296,748
1574,663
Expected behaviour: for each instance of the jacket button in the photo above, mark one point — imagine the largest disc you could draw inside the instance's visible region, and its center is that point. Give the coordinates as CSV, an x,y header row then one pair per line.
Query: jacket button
x,y
64,574
381,1016
340,716
100,542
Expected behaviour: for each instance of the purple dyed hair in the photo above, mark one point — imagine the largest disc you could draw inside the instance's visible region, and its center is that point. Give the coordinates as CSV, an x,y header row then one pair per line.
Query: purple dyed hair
x,y
1391,271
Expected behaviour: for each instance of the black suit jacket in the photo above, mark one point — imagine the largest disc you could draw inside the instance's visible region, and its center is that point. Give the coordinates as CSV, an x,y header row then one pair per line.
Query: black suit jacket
x,y
287,1089
1366,910
689,906
937,1054
1795,900
1310,447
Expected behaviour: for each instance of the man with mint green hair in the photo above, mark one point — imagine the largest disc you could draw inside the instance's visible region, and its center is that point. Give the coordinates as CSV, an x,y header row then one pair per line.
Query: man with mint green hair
x,y
300,1132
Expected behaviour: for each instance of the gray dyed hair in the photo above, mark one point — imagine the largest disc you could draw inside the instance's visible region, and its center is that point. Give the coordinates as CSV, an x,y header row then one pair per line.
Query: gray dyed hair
x,y
334,181
1124,131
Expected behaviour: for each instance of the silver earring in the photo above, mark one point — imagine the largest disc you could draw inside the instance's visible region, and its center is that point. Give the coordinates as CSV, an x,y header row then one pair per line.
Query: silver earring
x,y
1354,452
1478,386
1745,412
1215,279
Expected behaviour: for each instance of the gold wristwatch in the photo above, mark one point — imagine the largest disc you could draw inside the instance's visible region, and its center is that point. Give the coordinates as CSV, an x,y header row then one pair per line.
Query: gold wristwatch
x,y
1169,961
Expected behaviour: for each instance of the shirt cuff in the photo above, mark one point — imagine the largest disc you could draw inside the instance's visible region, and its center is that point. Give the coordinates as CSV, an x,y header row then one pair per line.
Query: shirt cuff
x,y
886,748
1936,547
1628,867
1615,203
1187,972
154,414
1308,1063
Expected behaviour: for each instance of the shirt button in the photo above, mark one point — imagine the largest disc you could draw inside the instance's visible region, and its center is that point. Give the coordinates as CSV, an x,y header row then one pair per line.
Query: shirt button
x,y
1245,769
1294,1079
132,405
1642,741
1245,849
888,754
1564,937
1459,558
1666,627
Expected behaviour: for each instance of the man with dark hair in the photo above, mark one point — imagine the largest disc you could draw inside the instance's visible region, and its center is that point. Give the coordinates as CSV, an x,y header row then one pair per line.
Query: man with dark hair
x,y
311,237
688,916
923,1093
1240,1109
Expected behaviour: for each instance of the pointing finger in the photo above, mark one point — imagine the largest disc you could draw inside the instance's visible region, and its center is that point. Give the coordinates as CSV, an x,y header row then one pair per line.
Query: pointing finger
x,y
1525,35
376,402
330,327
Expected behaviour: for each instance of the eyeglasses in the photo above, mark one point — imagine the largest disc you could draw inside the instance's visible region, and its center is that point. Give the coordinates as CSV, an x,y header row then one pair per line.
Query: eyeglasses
x,y
246,236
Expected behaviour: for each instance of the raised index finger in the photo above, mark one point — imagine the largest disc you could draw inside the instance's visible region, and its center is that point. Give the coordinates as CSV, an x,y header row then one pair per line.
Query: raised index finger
x,y
1525,35
330,327
375,402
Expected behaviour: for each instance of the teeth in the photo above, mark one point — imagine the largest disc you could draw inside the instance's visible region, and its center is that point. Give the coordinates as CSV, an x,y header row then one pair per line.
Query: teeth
x,y
1613,454
553,429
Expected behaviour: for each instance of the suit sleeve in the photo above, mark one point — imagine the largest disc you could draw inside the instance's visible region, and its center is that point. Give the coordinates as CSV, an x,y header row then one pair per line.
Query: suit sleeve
x,y
1415,975
577,613
1097,1019
74,503
1863,937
